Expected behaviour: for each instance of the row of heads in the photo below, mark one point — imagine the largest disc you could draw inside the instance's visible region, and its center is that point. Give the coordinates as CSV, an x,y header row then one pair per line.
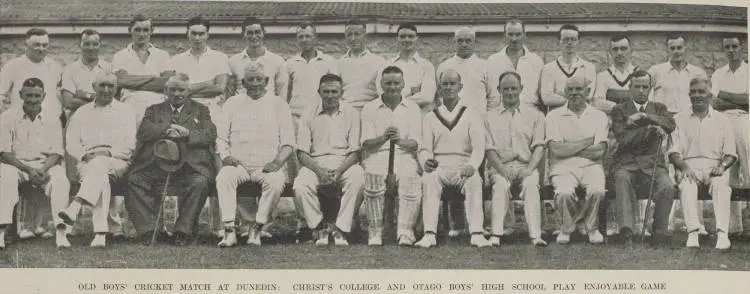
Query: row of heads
x,y
567,32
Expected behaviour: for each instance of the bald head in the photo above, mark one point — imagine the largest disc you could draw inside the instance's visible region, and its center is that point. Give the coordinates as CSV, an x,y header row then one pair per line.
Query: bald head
x,y
450,85
464,40
105,87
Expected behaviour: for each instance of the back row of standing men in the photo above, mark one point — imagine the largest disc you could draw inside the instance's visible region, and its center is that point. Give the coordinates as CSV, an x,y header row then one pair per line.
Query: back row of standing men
x,y
142,71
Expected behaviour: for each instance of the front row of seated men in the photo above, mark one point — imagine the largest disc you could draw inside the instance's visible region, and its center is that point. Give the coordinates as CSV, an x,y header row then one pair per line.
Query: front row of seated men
x,y
177,143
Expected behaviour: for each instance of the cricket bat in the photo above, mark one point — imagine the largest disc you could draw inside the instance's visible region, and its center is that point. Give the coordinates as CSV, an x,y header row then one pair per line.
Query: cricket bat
x,y
389,203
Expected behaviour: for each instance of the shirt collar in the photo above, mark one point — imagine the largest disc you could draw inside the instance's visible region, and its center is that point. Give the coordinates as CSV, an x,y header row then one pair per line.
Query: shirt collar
x,y
577,62
526,52
25,116
44,60
246,56
187,52
320,111
83,66
364,53
711,110
505,109
112,103
148,47
628,68
382,104
567,110
688,67
472,57
318,56
444,109
179,109
414,57
637,106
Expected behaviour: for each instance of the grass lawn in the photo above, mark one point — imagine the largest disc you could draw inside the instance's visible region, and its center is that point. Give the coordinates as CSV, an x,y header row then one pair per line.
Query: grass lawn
x,y
280,253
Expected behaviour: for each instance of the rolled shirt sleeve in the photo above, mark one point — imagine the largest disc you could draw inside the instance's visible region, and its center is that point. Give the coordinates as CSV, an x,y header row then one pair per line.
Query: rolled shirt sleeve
x,y
538,133
728,144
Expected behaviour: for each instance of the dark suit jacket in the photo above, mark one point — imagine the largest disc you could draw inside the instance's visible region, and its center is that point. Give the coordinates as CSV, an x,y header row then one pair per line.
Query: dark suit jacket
x,y
637,144
196,149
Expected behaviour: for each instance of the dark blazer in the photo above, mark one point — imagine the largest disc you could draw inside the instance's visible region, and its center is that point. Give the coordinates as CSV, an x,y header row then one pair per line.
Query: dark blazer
x,y
196,149
638,144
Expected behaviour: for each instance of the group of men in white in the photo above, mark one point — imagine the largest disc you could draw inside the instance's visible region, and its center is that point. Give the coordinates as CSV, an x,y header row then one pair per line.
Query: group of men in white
x,y
316,121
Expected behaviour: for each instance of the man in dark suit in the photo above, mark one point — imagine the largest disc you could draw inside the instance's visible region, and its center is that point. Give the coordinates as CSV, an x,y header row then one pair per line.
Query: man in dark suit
x,y
189,125
640,127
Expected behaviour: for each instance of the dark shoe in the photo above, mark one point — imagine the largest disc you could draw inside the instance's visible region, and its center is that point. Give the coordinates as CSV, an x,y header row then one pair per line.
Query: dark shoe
x,y
663,241
115,238
182,239
66,218
626,236
145,238
304,235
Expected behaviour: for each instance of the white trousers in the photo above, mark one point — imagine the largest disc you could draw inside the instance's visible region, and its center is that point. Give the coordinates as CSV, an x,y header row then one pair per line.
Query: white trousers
x,y
306,193
718,188
433,184
57,189
96,190
230,177
532,207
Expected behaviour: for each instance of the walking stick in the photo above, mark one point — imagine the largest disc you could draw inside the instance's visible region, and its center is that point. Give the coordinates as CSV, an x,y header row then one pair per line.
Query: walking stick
x,y
161,210
389,203
651,191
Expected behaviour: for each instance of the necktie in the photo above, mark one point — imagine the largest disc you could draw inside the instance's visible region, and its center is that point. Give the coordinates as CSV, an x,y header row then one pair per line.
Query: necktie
x,y
175,115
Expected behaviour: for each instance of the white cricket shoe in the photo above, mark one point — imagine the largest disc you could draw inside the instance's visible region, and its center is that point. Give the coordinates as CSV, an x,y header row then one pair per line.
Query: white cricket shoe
x,y
495,241
229,239
595,237
427,241
61,239
376,237
26,234
539,242
100,241
322,239
338,239
722,241
478,240
253,237
563,238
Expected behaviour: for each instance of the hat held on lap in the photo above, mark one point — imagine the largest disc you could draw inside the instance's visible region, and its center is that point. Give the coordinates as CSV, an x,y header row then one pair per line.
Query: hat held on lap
x,y
167,154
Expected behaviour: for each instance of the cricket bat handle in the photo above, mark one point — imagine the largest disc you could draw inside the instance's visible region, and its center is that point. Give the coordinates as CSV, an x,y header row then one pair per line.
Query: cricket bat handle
x,y
391,156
